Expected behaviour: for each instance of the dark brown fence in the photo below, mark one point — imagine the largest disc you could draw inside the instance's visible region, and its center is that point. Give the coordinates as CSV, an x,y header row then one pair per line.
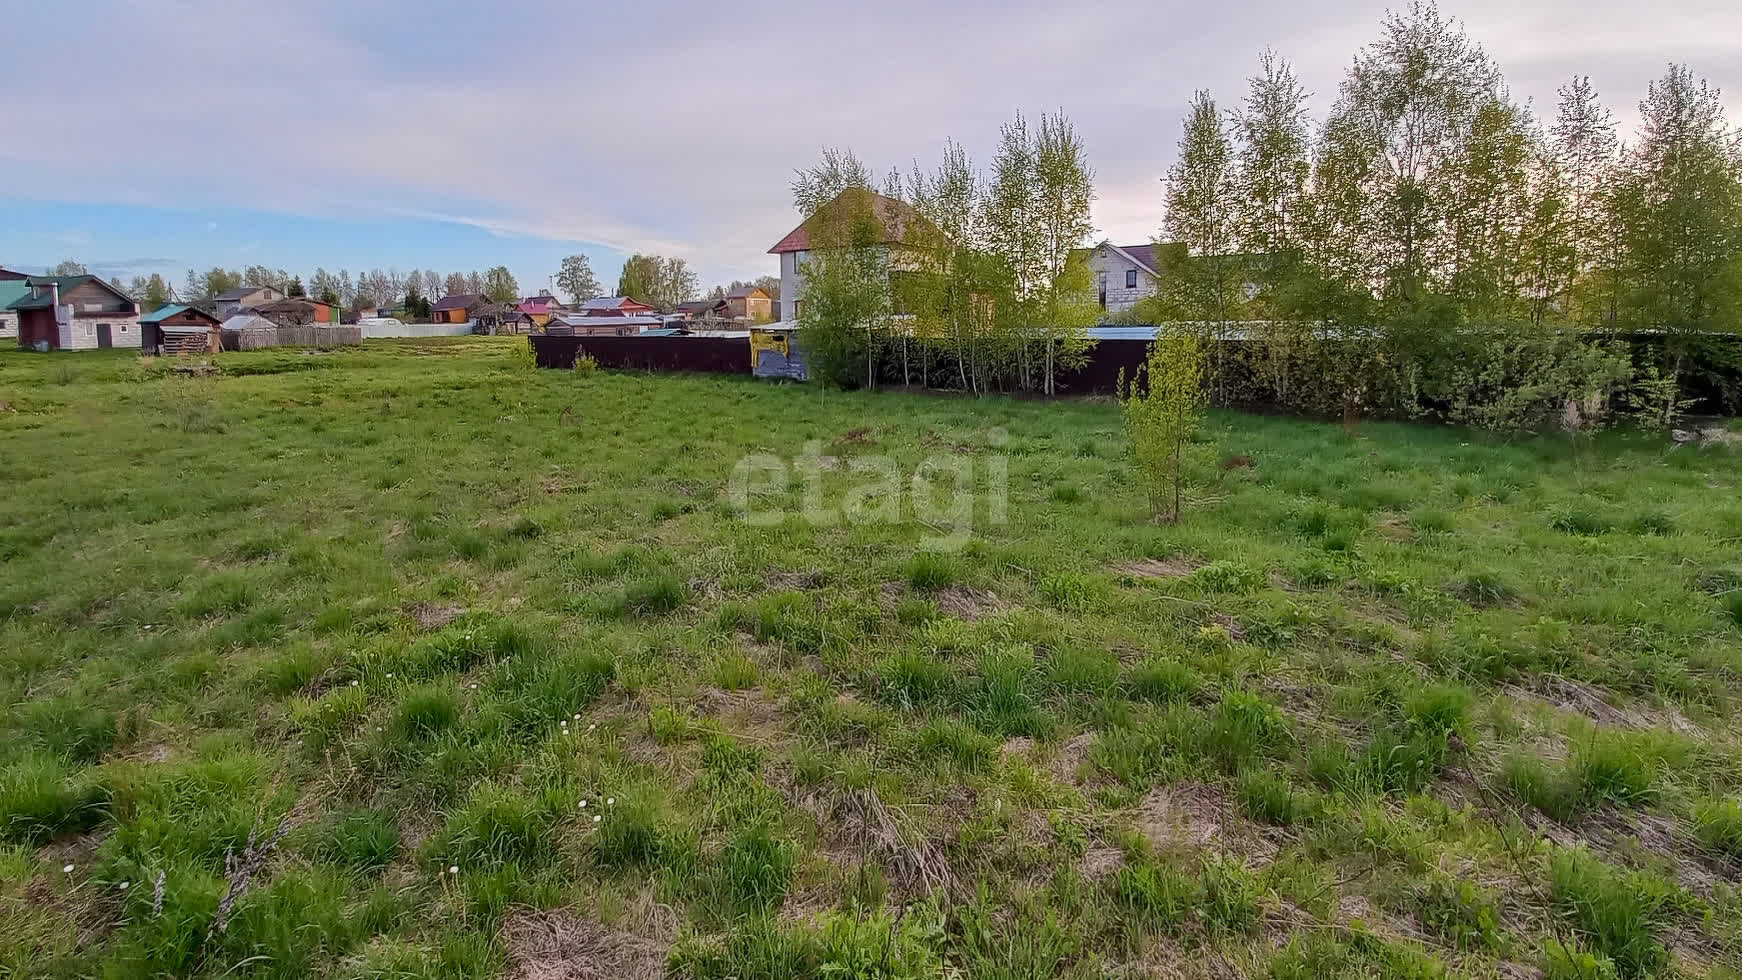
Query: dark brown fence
x,y
716,355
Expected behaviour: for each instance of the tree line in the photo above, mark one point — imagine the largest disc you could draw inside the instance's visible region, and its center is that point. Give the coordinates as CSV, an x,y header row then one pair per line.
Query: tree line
x,y
983,281
1431,245
655,280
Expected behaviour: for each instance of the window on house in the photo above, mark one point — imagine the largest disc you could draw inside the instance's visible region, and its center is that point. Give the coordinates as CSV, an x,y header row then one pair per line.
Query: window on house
x,y
1130,278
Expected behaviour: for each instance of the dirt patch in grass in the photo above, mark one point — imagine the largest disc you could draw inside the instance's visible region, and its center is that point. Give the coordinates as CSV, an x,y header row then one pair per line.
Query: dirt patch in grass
x,y
433,616
559,945
1156,568
781,580
1072,753
968,603
1395,528
1587,700
1101,862
857,437
1196,817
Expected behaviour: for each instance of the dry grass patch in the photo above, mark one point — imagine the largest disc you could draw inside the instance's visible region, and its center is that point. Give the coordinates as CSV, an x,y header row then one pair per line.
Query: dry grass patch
x,y
559,945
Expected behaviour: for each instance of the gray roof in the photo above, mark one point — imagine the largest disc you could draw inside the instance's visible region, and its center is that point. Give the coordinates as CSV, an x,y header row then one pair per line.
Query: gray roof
x,y
240,292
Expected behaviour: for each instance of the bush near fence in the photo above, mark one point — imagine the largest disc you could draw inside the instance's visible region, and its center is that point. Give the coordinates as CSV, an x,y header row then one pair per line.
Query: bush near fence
x,y
255,338
1712,382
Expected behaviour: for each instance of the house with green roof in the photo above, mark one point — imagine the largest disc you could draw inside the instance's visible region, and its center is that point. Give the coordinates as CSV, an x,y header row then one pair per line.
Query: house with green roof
x,y
74,313
10,290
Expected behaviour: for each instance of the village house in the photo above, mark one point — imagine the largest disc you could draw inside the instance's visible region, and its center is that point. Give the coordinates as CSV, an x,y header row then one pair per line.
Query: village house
x,y
456,308
296,311
492,319
233,301
180,330
10,290
539,308
74,313
587,325
1123,274
749,303
615,306
703,309
898,220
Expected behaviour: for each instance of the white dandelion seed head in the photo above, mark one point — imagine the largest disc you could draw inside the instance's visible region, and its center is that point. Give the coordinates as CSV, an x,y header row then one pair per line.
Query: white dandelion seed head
x,y
583,804
596,818
68,869
453,869
353,683
611,801
124,884
577,717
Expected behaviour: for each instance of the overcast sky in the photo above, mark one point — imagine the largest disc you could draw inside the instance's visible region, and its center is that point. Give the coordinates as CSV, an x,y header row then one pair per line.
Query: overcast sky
x,y
173,133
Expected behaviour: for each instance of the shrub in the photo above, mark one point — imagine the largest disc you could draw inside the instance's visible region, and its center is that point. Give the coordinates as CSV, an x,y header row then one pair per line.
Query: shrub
x,y
754,869
363,840
75,732
1617,913
654,595
1243,726
426,712
1459,913
1230,902
1227,576
1071,591
1268,797
629,833
1162,896
1580,522
1162,407
960,743
1718,827
1484,588
40,800
930,570
1161,679
914,678
497,825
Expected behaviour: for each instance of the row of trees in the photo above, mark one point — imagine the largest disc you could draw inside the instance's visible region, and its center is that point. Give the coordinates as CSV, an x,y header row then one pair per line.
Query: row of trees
x,y
984,273
658,281
1430,236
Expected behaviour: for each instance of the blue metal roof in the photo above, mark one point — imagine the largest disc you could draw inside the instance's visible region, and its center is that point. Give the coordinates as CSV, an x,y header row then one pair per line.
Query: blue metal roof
x,y
162,314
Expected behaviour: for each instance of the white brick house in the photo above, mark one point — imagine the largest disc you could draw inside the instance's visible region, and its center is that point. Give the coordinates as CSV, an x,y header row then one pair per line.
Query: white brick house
x,y
1124,274
794,250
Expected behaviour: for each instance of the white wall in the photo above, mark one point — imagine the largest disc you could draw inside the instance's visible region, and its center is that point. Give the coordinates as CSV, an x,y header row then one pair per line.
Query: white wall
x,y
8,324
1105,261
378,330
791,282
80,333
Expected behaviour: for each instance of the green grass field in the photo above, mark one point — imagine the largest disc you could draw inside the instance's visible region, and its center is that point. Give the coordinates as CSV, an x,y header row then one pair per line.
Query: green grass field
x,y
412,661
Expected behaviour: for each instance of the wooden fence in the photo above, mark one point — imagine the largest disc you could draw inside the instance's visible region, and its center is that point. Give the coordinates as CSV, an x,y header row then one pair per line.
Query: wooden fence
x,y
307,335
713,355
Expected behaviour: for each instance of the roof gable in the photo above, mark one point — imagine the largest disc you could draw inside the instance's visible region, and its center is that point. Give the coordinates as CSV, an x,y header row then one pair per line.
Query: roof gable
x,y
458,301
895,216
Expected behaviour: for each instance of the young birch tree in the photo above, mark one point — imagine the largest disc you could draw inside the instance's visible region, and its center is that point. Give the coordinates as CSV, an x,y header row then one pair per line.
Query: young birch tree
x,y
848,305
1064,191
1584,148
1200,216
1271,172
1679,214
1161,409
